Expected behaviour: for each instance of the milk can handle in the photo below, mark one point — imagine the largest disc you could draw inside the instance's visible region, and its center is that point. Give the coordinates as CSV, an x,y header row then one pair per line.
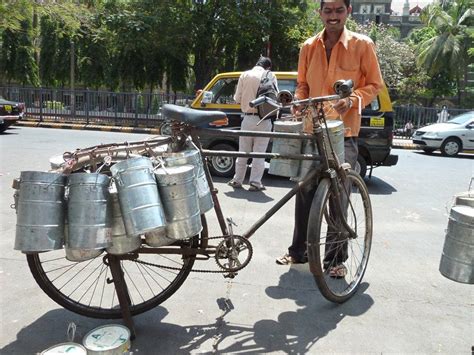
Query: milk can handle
x,y
118,180
71,331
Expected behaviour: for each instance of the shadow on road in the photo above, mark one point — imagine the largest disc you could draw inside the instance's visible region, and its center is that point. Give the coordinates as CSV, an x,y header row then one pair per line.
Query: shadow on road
x,y
294,332
50,330
377,186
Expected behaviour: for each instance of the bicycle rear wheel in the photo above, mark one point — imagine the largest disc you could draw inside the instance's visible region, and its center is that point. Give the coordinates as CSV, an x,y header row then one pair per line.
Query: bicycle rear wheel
x,y
86,288
330,246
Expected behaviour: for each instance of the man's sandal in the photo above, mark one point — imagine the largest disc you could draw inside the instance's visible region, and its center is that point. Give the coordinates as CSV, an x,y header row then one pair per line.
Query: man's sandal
x,y
337,272
256,187
287,259
235,184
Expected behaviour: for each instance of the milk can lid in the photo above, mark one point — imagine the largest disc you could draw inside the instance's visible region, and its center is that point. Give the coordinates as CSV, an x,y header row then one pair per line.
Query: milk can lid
x,y
106,337
66,348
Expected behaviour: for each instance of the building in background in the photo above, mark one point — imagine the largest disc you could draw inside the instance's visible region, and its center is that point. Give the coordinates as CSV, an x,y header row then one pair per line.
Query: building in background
x,y
380,11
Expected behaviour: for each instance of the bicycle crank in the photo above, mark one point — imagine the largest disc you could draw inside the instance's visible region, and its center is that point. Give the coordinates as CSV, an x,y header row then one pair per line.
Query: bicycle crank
x,y
233,254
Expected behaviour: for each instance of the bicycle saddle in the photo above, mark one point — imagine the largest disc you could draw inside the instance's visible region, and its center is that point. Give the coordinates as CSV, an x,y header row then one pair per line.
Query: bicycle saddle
x,y
191,116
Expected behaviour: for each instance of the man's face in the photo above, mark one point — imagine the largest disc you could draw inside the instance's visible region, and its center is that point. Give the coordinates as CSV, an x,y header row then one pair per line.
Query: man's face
x,y
334,15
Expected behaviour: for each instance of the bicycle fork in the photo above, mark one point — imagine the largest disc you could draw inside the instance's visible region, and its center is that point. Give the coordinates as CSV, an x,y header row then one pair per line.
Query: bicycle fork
x,y
341,211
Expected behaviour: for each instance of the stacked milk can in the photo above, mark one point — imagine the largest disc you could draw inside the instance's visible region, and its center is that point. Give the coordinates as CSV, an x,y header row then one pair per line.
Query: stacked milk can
x,y
297,169
161,199
457,259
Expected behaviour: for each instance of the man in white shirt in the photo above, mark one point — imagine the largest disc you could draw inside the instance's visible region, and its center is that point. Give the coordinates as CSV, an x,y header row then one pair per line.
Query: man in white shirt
x,y
246,91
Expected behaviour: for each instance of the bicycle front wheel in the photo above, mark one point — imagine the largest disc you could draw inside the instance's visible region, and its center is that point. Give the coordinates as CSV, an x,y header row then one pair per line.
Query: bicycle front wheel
x,y
87,288
338,260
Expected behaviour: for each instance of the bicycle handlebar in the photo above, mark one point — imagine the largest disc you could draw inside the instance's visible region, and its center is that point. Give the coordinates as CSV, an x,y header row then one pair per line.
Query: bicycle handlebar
x,y
258,101
343,89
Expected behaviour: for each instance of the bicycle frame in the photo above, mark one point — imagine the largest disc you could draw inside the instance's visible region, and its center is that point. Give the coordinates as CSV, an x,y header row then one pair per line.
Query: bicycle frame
x,y
305,182
325,165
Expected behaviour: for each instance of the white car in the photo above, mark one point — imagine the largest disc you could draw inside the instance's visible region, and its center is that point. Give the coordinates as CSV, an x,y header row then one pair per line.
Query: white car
x,y
450,137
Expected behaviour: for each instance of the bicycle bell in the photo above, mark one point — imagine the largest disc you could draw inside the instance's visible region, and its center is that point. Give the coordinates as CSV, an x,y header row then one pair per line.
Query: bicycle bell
x,y
343,87
284,97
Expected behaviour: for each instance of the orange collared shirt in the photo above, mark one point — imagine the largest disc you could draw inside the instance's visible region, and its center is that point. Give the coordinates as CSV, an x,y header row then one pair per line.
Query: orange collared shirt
x,y
353,57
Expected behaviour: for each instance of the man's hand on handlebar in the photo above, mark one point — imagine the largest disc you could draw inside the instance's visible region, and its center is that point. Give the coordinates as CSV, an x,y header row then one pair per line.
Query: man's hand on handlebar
x,y
343,105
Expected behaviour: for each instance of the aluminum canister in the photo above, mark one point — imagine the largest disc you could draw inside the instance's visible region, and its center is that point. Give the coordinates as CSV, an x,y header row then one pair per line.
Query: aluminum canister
x,y
68,348
178,192
112,339
465,199
193,157
158,238
286,167
89,213
40,212
457,259
142,210
121,243
79,254
336,137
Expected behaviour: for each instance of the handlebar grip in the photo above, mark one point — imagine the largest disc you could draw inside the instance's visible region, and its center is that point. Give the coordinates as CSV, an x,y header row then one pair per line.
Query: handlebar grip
x,y
258,101
343,87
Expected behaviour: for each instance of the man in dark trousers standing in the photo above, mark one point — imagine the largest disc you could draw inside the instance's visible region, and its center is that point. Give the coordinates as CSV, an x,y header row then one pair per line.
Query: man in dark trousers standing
x,y
333,54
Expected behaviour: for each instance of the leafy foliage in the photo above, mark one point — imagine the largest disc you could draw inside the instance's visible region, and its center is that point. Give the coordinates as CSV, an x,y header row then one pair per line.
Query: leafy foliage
x,y
181,44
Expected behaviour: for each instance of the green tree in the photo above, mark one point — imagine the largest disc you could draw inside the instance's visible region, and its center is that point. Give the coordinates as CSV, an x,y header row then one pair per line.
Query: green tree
x,y
446,53
17,58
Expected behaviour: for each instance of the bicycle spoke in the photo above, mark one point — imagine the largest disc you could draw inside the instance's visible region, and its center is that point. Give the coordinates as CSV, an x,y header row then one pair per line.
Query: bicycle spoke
x,y
102,267
144,278
342,260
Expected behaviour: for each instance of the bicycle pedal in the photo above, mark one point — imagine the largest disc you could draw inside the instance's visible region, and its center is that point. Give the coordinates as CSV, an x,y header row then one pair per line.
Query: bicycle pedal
x,y
230,275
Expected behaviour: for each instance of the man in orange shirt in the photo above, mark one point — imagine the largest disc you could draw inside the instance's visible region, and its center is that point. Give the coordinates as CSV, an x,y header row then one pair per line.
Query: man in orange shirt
x,y
333,54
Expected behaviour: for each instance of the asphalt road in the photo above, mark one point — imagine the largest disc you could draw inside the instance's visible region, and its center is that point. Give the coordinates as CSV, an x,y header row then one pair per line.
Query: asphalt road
x,y
404,305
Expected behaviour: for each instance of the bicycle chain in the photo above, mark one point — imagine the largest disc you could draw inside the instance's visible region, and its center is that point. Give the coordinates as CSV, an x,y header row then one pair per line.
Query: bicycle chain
x,y
204,271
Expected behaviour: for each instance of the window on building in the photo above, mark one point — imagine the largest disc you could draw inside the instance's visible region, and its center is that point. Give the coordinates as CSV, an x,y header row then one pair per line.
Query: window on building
x,y
365,9
378,9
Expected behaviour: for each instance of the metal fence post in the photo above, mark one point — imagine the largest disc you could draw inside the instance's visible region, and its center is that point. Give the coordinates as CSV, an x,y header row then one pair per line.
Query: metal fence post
x,y
136,110
41,104
86,105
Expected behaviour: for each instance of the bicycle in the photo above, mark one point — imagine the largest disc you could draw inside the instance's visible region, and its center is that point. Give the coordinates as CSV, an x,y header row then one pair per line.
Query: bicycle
x,y
115,286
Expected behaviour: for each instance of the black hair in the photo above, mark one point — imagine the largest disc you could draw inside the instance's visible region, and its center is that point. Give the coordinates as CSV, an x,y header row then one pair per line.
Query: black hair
x,y
346,2
264,62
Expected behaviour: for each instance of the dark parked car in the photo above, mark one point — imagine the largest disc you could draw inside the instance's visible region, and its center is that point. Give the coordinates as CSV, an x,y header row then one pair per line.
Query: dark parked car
x,y
10,112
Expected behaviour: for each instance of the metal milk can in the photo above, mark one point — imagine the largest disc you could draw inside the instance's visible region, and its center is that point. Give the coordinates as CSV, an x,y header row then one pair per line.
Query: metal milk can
x,y
286,167
121,243
142,210
40,211
457,259
336,137
89,216
193,157
178,192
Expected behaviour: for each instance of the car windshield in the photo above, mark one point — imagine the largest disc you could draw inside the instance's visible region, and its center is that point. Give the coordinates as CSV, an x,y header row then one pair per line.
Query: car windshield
x,y
461,119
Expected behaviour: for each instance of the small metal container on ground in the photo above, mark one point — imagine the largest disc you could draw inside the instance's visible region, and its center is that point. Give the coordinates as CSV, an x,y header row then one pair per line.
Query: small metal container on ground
x,y
111,339
68,348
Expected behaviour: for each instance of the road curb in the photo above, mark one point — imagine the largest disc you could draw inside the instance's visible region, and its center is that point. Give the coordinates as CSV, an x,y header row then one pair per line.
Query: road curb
x,y
144,130
88,127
